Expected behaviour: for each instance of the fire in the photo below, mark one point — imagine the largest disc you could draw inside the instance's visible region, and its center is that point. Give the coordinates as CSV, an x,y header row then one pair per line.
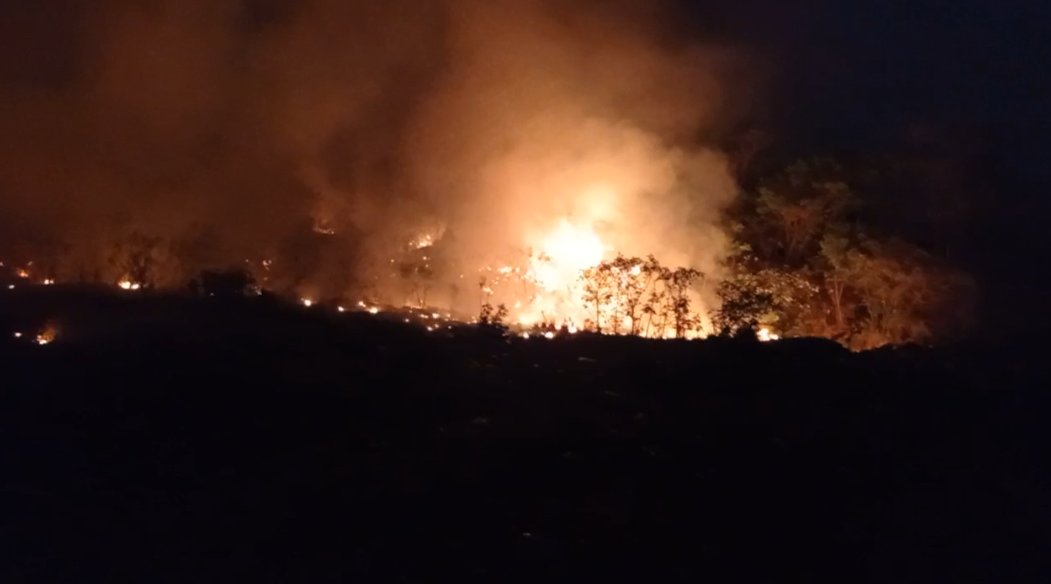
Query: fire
x,y
367,308
128,285
765,335
566,251
553,272
422,242
47,335
323,227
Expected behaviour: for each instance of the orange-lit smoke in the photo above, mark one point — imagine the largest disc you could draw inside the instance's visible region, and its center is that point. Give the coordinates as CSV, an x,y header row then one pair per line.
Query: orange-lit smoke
x,y
323,137
576,138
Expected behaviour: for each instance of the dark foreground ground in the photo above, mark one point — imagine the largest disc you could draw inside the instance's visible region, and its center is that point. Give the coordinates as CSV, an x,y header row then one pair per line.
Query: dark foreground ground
x,y
244,442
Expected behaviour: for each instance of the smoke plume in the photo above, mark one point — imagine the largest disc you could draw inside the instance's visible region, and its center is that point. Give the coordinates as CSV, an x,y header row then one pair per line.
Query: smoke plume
x,y
245,122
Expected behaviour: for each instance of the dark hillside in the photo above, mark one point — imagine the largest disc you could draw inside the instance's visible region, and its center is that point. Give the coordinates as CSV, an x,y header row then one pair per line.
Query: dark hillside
x,y
255,441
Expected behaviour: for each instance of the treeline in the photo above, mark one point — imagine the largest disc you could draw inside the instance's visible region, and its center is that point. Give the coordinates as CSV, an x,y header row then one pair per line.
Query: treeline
x,y
813,255
301,258
859,253
817,249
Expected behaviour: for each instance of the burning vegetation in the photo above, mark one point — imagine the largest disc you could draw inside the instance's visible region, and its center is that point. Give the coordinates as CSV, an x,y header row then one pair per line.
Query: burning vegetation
x,y
517,162
802,263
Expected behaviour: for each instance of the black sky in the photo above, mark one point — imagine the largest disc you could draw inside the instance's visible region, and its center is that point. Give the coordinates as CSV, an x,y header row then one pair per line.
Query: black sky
x,y
852,67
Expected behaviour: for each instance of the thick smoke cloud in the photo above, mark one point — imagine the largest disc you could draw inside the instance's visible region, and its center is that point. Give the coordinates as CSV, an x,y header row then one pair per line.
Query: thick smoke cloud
x,y
581,119
251,119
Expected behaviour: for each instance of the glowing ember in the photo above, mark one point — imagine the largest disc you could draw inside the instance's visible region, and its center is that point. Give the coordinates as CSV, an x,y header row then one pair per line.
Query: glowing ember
x,y
306,302
48,282
22,273
47,335
18,335
341,309
422,242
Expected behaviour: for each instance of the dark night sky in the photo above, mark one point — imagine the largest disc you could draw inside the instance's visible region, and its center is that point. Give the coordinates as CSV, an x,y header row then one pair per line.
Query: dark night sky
x,y
853,67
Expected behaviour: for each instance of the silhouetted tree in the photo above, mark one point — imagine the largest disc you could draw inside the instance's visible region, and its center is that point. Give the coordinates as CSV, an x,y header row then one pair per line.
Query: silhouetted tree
x,y
599,289
493,319
418,277
794,207
745,304
898,289
679,282
635,278
484,291
634,292
139,258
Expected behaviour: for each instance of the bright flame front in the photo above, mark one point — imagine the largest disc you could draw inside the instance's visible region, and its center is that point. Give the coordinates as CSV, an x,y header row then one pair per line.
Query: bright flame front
x,y
564,253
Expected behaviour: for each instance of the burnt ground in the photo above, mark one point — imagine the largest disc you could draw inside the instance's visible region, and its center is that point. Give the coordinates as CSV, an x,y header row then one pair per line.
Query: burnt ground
x,y
166,439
